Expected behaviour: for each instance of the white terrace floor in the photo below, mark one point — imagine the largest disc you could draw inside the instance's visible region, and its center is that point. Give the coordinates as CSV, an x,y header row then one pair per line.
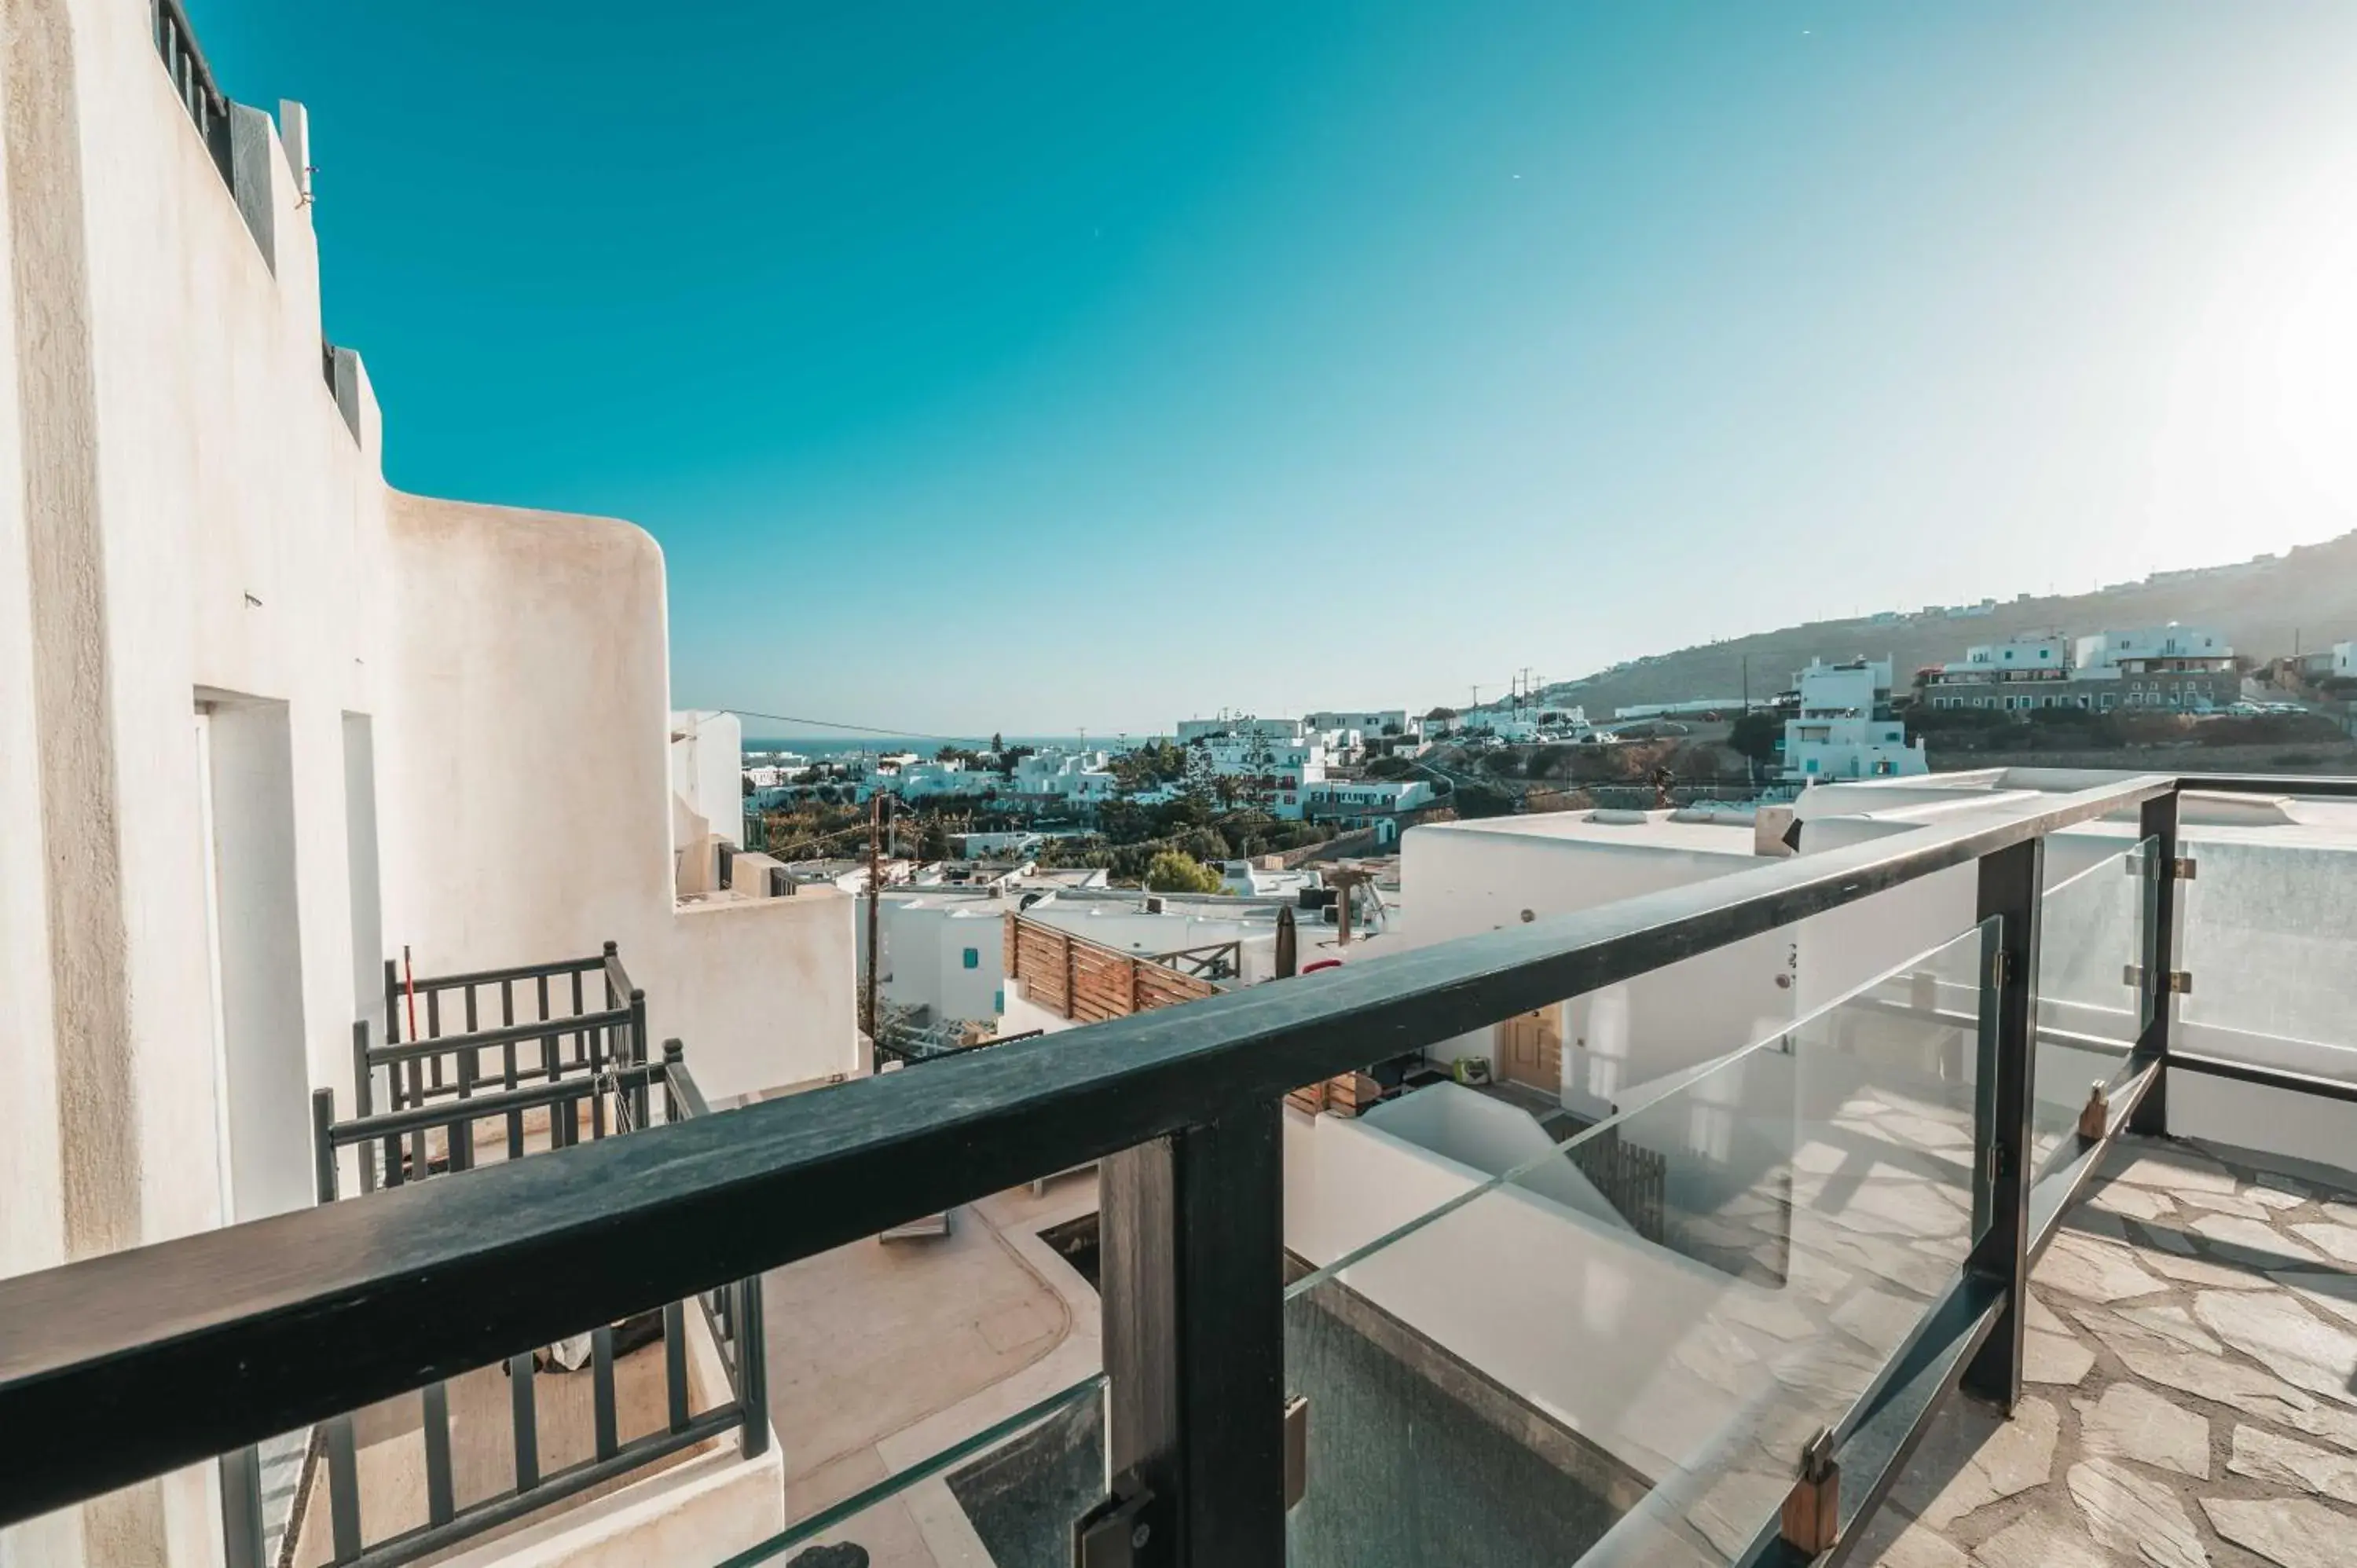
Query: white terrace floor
x,y
883,1354
2193,1352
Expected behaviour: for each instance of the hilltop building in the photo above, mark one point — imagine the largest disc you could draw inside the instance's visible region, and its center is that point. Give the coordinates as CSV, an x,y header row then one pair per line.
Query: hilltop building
x,y
2181,668
2172,666
1844,727
1387,724
1280,757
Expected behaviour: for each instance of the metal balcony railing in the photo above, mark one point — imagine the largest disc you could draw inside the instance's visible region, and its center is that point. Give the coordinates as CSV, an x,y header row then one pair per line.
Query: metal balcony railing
x,y
140,1361
192,82
442,1098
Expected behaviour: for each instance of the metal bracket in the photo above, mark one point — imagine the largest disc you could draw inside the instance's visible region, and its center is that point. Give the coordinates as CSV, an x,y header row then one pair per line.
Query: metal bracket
x,y
1116,1533
2095,1116
1999,968
1297,1450
2177,980
1811,1516
2183,867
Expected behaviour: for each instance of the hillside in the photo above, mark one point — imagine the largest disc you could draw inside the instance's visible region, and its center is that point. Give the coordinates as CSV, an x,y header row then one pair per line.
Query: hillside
x,y
2261,606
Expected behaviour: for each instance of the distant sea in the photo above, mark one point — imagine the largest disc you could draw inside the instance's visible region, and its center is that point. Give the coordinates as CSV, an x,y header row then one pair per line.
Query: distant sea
x,y
923,746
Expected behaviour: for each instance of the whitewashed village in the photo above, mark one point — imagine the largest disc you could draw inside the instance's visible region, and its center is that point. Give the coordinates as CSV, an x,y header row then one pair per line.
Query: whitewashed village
x,y
354,902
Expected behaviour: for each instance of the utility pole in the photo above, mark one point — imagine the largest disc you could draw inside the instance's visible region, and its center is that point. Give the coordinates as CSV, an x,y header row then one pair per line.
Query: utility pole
x,y
1747,683
876,815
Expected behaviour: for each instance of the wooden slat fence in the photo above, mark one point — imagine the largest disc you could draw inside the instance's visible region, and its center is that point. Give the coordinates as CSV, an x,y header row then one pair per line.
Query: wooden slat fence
x,y
1088,982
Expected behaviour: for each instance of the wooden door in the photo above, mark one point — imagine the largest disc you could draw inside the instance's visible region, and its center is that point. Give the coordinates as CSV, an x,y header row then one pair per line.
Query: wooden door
x,y
1533,1050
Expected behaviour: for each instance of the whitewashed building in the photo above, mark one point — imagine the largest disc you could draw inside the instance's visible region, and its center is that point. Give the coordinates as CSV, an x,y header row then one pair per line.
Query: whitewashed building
x,y
941,780
2183,668
266,721
1076,776
1388,724
1845,728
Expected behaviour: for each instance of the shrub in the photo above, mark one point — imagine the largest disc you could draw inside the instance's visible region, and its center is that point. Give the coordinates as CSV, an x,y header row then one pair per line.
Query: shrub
x,y
1171,872
1483,800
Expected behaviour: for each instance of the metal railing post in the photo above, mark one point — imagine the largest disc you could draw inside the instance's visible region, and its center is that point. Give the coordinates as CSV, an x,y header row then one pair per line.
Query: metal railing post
x,y
752,1361
323,1142
1194,1339
638,1057
363,1098
2012,883
241,1484
2158,821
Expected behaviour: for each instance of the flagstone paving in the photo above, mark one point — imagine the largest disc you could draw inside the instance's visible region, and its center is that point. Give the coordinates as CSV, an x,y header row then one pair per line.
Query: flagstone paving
x,y
2192,1362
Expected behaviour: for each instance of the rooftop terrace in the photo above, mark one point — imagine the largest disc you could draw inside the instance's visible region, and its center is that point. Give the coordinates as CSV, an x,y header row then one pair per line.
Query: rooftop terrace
x,y
1728,1323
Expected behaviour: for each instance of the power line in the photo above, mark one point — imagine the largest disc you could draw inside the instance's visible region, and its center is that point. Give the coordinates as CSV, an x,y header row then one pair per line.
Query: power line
x,y
830,724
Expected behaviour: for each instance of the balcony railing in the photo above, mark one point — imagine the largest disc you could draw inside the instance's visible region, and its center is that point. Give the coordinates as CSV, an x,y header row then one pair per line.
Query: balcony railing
x,y
192,82
442,1101
140,1361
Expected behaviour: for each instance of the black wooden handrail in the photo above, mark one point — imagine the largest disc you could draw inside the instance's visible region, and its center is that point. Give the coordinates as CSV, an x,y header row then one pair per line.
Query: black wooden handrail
x,y
362,1129
452,982
505,1033
221,1338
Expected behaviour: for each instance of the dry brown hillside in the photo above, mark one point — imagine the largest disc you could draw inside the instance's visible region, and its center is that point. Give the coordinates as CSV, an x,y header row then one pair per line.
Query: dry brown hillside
x,y
2309,594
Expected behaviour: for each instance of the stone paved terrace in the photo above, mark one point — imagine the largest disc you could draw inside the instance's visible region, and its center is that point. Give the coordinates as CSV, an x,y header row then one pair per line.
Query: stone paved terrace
x,y
2192,1395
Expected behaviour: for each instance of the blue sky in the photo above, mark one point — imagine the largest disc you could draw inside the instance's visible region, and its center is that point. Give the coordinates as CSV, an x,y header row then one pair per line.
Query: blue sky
x,y
999,365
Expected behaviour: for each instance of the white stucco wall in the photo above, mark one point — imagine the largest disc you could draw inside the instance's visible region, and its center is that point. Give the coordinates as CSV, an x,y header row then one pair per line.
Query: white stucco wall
x,y
528,803
1462,879
1574,1316
183,510
708,769
926,939
465,712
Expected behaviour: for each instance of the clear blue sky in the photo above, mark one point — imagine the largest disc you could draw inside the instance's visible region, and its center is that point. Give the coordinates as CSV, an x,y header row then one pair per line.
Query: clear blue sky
x,y
991,364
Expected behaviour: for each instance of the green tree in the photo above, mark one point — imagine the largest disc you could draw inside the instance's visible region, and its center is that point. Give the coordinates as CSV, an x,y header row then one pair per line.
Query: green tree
x,y
1171,872
1258,789
1754,737
1203,843
1202,774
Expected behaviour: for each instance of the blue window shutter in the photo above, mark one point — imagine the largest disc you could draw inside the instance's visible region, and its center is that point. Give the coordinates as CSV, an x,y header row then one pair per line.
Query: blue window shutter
x,y
973,957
